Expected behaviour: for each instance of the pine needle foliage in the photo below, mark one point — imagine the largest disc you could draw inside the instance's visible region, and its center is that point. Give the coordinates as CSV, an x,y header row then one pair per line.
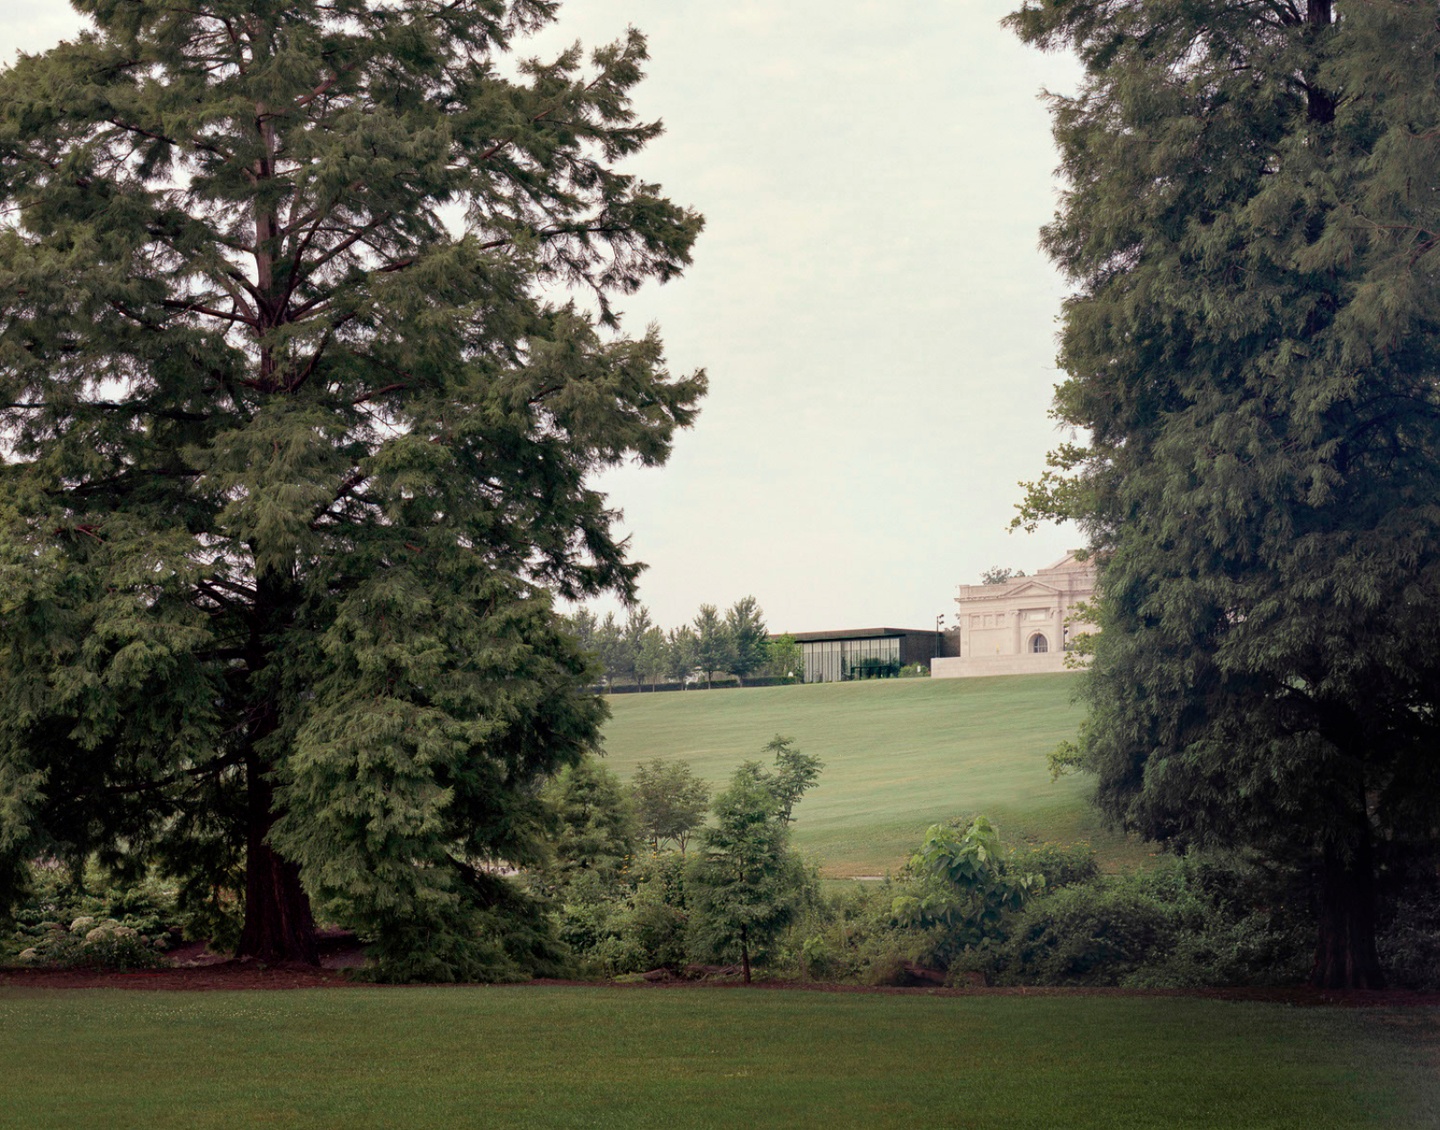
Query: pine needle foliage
x,y
1252,350
296,443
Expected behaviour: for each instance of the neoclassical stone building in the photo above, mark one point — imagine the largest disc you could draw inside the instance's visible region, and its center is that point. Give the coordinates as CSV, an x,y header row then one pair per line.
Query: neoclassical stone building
x,y
1022,626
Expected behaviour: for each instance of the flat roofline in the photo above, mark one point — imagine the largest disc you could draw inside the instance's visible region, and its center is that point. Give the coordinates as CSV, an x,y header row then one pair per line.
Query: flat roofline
x,y
858,634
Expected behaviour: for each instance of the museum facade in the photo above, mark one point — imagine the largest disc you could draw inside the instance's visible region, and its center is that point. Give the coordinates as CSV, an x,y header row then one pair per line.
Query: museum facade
x,y
1022,626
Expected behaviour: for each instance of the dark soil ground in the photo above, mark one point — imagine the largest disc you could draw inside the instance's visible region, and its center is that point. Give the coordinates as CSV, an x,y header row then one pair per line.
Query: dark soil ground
x,y
194,970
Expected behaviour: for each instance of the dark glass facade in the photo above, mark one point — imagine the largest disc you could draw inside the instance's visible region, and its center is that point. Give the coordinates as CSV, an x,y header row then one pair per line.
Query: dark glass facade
x,y
830,661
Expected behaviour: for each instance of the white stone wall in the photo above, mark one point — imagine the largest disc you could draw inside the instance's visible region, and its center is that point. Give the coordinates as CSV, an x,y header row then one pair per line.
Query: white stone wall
x,y
999,624
966,667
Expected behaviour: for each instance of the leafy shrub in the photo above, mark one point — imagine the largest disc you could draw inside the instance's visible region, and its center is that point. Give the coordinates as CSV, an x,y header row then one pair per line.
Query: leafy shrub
x,y
1409,943
1061,865
88,945
959,887
131,925
1093,934
1189,921
659,917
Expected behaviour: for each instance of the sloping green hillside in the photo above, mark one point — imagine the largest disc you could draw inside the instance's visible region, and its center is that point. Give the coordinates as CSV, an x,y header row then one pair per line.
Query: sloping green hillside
x,y
899,755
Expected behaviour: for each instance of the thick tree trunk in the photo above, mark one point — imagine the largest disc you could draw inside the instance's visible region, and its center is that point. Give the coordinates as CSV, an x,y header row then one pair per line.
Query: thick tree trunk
x,y
745,953
1345,956
279,926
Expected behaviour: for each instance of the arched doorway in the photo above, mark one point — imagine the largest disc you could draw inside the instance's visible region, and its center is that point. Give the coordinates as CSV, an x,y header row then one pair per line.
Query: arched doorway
x,y
1038,643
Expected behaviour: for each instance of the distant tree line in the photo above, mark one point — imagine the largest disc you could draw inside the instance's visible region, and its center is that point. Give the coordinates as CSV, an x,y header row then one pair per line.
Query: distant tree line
x,y
637,652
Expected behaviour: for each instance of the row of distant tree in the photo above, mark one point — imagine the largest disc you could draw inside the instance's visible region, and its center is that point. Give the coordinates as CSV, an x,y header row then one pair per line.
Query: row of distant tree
x,y
637,651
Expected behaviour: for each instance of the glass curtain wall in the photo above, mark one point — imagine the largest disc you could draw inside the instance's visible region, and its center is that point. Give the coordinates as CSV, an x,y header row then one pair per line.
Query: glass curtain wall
x,y
830,661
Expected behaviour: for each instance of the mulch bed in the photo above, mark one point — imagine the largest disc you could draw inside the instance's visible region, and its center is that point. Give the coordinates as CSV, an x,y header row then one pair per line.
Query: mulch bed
x,y
251,975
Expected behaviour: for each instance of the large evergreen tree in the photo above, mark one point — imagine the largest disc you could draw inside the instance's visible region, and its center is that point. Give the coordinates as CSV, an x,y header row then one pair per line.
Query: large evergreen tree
x,y
296,446
1252,350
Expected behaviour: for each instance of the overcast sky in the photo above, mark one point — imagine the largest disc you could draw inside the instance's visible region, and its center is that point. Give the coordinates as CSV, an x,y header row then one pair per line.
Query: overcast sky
x,y
868,299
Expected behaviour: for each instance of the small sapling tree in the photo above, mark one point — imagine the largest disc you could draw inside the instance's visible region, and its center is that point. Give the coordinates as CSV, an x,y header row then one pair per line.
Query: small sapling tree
x,y
593,822
746,884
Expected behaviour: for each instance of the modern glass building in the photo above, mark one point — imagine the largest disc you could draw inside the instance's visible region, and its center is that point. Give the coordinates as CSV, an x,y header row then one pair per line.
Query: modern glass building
x,y
865,653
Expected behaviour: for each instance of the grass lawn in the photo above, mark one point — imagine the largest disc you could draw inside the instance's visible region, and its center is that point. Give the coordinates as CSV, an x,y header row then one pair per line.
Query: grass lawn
x,y
899,756
582,1057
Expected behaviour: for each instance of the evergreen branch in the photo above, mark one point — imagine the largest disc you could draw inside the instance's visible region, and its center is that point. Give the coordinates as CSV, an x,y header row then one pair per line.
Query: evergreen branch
x,y
234,586
210,768
118,306
195,141
196,307
125,480
310,366
396,387
340,73
347,489
209,589
348,242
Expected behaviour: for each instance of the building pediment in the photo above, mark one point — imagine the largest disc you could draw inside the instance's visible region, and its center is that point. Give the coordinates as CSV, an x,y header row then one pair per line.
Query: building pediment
x,y
1032,587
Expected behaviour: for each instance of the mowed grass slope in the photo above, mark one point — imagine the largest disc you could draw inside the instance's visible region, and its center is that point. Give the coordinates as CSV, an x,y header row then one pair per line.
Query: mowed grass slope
x,y
594,1057
899,756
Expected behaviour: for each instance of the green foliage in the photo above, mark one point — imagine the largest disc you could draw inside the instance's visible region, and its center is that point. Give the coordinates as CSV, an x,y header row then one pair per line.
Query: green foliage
x,y
784,658
659,920
745,625
714,647
961,885
108,945
681,654
1187,922
593,823
670,802
1251,351
293,467
1091,935
613,649
1059,865
652,661
746,884
98,925
794,775
1410,943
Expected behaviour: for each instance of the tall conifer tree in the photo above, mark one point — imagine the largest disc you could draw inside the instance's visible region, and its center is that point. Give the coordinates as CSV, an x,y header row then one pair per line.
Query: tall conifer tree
x,y
296,446
1252,350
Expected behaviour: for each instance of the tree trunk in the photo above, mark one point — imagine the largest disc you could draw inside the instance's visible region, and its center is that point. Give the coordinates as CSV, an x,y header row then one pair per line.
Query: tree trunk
x,y
279,926
745,953
1345,956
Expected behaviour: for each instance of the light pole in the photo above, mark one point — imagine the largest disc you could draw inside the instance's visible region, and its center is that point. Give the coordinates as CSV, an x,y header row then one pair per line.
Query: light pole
x,y
939,632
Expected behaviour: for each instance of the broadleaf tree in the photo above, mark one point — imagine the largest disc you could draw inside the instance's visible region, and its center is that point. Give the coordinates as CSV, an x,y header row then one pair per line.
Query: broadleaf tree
x,y
714,647
637,626
670,802
1251,355
745,625
297,431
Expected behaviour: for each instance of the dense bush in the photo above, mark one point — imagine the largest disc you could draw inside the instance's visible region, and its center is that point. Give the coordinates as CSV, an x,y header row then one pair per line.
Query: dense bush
x,y
1186,922
1096,933
65,925
1060,865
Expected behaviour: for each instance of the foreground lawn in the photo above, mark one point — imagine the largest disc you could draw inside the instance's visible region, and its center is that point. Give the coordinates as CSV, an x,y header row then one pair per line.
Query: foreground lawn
x,y
580,1057
899,755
